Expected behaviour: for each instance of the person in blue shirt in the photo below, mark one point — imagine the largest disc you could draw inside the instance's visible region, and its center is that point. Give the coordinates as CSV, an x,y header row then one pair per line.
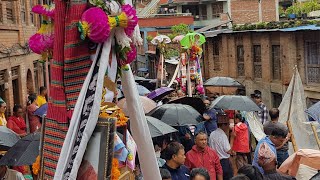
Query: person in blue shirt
x,y
175,157
210,117
276,139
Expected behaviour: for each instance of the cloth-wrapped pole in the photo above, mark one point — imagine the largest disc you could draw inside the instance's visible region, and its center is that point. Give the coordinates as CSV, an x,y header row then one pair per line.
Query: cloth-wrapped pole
x,y
139,128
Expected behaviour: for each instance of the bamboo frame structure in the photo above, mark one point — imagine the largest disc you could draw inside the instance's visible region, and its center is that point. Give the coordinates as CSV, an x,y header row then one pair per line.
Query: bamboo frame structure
x,y
293,140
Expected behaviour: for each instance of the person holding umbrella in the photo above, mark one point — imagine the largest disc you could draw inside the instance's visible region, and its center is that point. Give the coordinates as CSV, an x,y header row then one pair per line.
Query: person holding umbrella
x,y
210,117
219,141
263,114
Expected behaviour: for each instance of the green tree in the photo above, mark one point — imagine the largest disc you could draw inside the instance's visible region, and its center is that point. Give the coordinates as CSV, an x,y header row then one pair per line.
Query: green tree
x,y
180,29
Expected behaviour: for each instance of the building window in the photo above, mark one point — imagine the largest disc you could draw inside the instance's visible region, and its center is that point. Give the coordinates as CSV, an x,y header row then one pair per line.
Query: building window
x,y
276,64
240,60
216,58
1,12
217,9
313,62
31,14
257,67
15,85
9,12
23,11
276,99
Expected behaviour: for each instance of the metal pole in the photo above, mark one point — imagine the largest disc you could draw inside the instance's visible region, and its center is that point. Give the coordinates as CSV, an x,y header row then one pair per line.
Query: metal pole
x,y
40,175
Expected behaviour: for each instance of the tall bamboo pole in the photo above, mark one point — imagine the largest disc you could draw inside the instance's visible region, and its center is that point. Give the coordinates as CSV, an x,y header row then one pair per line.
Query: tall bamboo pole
x,y
293,140
315,134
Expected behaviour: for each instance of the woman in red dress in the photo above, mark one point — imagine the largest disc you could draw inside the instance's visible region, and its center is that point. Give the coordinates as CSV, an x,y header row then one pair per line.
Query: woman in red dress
x,y
16,122
34,120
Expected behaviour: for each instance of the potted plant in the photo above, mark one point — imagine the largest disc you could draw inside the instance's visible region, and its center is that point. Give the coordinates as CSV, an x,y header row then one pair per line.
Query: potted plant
x,y
290,12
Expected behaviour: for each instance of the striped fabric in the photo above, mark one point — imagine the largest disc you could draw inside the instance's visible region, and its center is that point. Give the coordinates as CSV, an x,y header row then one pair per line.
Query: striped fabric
x,y
69,67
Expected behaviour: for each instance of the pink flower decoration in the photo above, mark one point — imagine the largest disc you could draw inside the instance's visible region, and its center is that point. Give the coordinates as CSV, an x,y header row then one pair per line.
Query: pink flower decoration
x,y
200,89
98,24
44,10
184,89
132,19
36,43
131,55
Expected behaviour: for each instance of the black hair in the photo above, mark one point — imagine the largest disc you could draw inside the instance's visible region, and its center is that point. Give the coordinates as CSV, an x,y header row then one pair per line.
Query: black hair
x,y
172,149
32,98
165,174
279,132
199,171
251,172
16,107
239,116
42,88
240,177
274,113
200,132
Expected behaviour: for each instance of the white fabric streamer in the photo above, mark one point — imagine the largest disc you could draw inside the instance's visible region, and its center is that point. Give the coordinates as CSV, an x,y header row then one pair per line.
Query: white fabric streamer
x,y
139,128
255,125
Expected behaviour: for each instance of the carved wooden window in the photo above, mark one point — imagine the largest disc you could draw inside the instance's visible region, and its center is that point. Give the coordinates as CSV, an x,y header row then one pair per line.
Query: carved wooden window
x,y
216,58
240,60
23,11
31,13
9,12
257,65
313,62
217,9
276,63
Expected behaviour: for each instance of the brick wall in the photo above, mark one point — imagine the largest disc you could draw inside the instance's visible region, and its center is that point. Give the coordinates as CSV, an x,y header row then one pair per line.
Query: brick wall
x,y
292,52
247,11
13,34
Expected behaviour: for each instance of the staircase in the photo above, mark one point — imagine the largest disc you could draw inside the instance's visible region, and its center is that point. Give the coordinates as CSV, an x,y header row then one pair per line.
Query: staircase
x,y
150,9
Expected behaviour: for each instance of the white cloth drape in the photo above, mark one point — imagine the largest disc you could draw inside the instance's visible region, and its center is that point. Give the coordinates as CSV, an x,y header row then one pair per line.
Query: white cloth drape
x,y
139,128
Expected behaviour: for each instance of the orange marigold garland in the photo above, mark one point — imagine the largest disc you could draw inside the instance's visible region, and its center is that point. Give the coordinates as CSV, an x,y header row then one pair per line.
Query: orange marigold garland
x,y
115,172
36,166
121,117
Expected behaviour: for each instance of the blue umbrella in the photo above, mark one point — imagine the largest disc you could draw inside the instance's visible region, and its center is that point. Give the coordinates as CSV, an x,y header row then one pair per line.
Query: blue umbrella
x,y
42,110
314,111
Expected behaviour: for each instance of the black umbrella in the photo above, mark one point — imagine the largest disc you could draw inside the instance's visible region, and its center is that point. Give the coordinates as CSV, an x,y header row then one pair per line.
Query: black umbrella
x,y
158,128
24,152
232,102
176,114
194,102
8,138
222,82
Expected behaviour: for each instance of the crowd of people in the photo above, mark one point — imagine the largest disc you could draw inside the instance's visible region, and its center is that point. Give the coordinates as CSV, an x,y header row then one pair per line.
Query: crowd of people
x,y
21,127
222,147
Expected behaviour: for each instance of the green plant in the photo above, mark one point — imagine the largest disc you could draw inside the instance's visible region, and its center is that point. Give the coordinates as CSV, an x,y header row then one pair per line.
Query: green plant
x,y
170,52
298,23
149,38
290,10
171,36
261,25
180,29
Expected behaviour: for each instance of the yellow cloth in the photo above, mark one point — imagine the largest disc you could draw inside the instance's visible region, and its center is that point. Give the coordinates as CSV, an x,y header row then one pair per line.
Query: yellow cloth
x,y
41,100
3,121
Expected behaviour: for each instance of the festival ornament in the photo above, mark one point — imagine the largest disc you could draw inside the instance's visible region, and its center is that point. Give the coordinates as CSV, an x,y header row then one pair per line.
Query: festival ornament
x,y
44,10
94,24
192,39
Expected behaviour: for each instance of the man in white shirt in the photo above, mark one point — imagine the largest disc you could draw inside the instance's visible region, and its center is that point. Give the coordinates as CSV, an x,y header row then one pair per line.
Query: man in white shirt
x,y
219,142
9,174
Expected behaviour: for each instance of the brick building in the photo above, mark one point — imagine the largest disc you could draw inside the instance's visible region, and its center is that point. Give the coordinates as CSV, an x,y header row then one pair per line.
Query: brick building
x,y
264,60
20,71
